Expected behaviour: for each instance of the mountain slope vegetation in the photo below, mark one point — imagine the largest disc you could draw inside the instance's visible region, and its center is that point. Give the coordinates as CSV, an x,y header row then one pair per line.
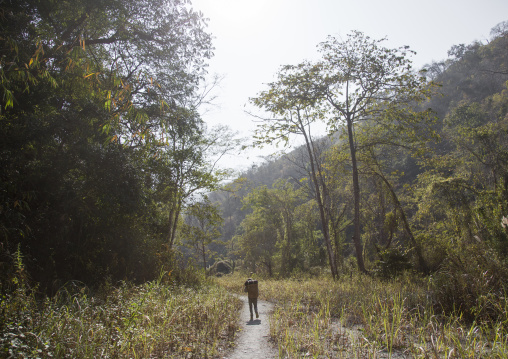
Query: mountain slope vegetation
x,y
433,196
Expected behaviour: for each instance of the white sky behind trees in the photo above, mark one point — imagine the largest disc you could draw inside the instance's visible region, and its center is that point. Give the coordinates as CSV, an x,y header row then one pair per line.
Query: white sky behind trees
x,y
253,39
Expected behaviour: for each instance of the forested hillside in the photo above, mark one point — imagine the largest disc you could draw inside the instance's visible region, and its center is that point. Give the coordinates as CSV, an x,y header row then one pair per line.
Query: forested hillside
x,y
431,151
105,159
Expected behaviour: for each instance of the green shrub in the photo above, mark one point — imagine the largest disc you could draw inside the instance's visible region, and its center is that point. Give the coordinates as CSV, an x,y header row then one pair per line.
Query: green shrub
x,y
472,285
392,262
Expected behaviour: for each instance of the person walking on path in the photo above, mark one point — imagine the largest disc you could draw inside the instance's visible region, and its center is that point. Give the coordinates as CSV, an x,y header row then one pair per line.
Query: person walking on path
x,y
251,287
253,339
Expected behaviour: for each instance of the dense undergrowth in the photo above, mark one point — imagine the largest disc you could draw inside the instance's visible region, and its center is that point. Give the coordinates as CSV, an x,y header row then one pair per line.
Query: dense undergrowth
x,y
366,317
154,320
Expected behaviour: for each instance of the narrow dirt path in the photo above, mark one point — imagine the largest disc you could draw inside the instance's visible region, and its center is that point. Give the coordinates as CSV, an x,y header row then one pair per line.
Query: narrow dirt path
x,y
252,341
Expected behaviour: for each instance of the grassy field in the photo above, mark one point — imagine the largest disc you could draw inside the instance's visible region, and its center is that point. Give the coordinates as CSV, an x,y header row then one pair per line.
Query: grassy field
x,y
354,317
154,320
364,317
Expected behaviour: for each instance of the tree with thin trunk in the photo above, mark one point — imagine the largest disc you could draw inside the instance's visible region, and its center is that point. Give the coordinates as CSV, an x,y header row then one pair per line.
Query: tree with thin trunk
x,y
360,80
201,227
190,154
375,167
292,102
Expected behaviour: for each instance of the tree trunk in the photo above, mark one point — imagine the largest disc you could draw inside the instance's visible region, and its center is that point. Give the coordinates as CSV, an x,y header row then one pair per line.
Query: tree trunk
x,y
356,197
319,199
203,248
289,235
173,223
268,265
421,261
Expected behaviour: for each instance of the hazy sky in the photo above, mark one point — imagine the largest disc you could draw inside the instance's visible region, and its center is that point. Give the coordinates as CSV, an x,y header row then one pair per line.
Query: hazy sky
x,y
254,38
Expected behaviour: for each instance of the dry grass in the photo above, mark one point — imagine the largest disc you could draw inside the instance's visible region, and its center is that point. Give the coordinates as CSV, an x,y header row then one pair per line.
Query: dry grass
x,y
364,317
358,317
148,321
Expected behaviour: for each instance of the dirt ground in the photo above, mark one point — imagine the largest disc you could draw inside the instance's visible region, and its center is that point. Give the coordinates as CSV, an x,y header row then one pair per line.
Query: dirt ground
x,y
253,338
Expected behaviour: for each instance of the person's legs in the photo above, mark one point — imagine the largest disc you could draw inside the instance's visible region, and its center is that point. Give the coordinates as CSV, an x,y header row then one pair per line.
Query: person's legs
x,y
255,302
251,303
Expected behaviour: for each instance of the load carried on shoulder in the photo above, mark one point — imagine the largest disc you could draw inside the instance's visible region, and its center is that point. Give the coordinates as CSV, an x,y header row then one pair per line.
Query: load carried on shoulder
x,y
251,287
